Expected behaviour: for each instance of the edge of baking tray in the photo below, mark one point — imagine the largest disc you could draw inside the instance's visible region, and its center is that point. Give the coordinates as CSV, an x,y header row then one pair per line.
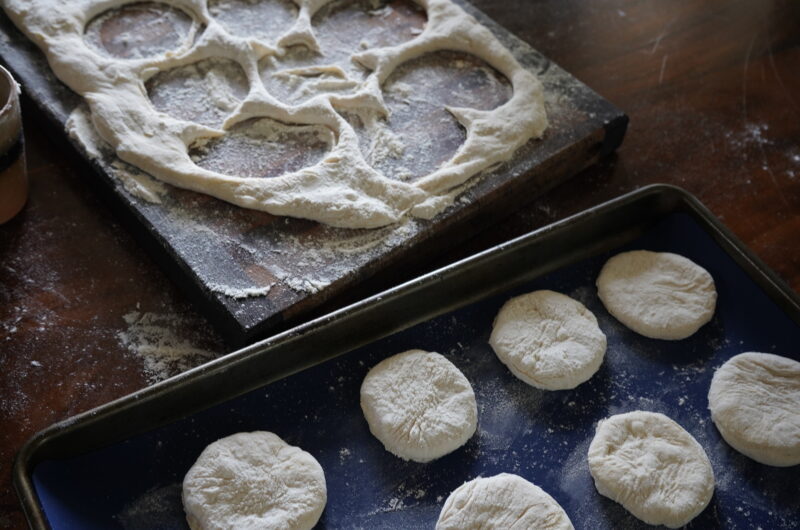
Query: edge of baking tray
x,y
578,237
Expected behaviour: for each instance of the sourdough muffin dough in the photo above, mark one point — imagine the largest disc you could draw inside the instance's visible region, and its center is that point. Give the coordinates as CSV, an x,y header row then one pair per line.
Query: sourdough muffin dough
x,y
342,189
419,405
755,403
657,294
501,502
548,340
652,466
254,480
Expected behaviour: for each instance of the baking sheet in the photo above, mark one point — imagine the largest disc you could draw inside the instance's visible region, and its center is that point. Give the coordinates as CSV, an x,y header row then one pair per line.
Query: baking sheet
x,y
210,247
542,436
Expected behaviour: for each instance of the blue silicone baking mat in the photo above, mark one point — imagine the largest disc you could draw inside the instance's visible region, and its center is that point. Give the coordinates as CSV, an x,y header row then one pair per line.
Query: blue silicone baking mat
x,y
540,435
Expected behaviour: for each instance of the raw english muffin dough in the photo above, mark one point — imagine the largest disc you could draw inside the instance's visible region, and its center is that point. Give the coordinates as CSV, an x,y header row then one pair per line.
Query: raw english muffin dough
x,y
652,466
657,294
548,340
419,405
502,502
254,480
755,403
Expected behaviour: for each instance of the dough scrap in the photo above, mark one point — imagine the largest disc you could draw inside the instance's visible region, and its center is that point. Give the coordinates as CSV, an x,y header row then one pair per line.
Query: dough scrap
x,y
660,295
652,466
501,502
254,480
548,340
419,405
754,400
342,189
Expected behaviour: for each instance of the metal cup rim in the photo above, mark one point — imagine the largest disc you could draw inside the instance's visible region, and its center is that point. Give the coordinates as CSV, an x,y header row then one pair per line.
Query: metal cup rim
x,y
13,90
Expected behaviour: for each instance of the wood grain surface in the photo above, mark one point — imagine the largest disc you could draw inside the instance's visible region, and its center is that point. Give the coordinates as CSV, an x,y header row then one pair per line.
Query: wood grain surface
x,y
713,92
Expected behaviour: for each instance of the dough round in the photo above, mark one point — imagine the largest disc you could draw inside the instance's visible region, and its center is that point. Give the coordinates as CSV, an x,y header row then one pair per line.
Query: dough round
x,y
652,466
419,405
254,480
501,502
755,403
657,294
548,340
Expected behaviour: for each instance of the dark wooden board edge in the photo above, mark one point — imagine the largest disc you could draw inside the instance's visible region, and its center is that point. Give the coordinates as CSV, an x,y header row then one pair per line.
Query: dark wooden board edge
x,y
56,101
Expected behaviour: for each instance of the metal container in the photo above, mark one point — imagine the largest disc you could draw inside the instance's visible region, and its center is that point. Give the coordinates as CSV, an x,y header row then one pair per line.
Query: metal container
x,y
13,174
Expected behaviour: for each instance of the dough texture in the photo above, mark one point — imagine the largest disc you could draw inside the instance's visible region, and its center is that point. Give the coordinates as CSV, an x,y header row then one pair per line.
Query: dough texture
x,y
341,189
254,480
652,466
548,340
754,400
501,502
419,405
657,294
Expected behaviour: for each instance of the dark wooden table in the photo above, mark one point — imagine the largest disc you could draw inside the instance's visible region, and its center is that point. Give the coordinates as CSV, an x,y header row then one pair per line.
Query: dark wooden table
x,y
713,92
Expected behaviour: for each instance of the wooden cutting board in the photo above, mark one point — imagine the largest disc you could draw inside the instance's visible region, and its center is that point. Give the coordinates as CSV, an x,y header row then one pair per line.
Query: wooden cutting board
x,y
205,243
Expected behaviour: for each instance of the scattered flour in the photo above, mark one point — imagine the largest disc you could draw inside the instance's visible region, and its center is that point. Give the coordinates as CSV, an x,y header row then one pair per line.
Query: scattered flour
x,y
153,337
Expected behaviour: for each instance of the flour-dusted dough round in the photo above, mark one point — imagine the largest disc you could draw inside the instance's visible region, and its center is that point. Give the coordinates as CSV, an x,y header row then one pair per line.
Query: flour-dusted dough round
x,y
652,466
548,340
501,502
254,480
657,294
755,403
419,405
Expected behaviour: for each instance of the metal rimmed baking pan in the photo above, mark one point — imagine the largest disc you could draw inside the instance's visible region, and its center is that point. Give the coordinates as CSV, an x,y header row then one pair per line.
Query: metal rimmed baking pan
x,y
121,465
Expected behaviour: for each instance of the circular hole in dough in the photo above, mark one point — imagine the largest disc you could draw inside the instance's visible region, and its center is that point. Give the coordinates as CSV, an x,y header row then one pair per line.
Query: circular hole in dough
x,y
657,294
501,502
652,466
138,30
205,92
265,148
419,405
421,134
254,480
548,340
265,20
754,400
343,28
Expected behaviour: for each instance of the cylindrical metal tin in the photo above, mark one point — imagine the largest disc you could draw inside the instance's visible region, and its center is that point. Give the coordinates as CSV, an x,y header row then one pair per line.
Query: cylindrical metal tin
x,y
13,173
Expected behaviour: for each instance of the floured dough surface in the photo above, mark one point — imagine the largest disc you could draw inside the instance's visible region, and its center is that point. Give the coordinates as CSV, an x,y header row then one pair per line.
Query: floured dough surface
x,y
254,480
501,502
652,466
755,403
419,405
660,295
251,40
548,340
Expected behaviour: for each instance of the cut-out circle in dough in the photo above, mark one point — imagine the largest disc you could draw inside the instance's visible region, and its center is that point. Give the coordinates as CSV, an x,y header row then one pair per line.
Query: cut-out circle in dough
x,y
501,502
111,33
754,400
254,480
419,405
660,295
652,466
548,340
205,92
